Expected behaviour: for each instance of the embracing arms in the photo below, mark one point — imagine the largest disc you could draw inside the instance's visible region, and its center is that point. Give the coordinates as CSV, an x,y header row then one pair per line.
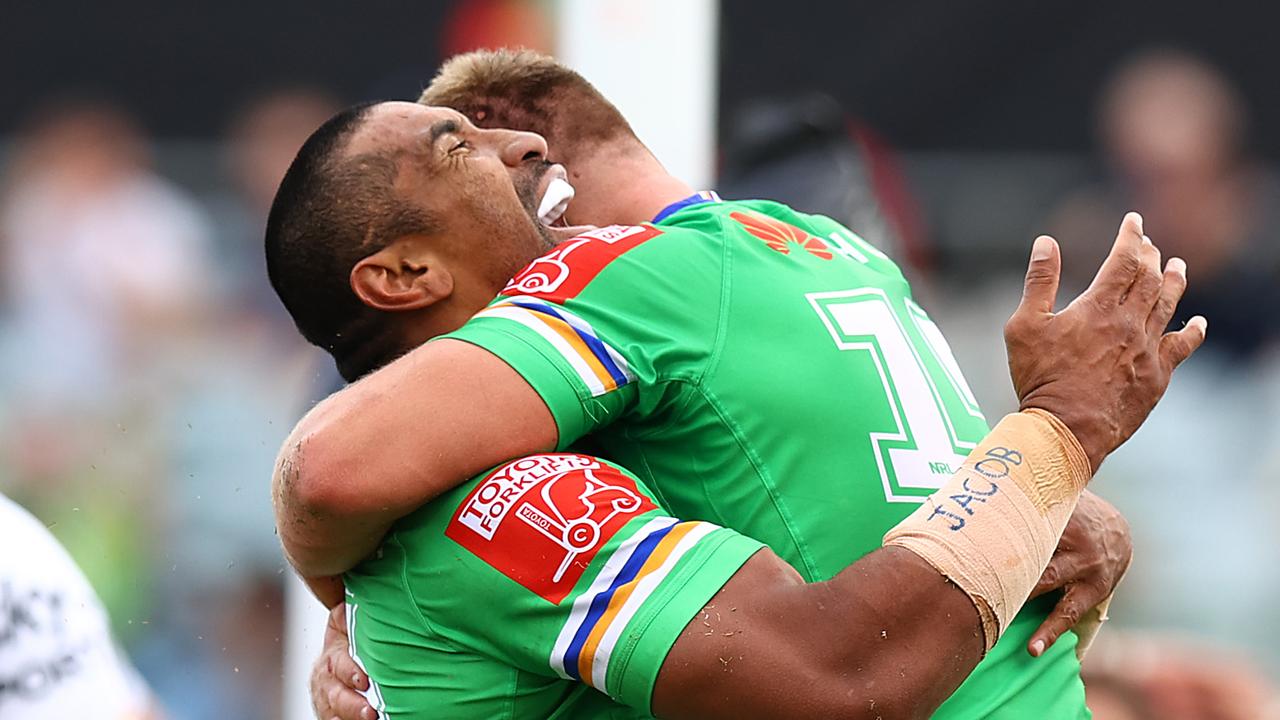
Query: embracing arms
x,y
1108,349
379,449
1093,554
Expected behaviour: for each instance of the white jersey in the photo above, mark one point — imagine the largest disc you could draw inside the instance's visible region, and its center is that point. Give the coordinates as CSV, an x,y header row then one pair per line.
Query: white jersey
x,y
57,658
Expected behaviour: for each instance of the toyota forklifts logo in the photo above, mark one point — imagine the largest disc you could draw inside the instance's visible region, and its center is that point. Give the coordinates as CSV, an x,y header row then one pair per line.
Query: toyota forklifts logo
x,y
540,520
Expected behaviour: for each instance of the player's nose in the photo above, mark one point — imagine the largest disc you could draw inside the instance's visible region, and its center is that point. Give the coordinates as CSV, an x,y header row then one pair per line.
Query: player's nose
x,y
516,147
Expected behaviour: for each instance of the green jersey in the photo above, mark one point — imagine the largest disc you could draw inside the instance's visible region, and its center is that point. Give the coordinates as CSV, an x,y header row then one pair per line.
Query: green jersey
x,y
767,371
509,596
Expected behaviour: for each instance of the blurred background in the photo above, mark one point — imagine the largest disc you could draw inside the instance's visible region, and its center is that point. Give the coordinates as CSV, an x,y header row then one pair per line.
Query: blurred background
x,y
148,374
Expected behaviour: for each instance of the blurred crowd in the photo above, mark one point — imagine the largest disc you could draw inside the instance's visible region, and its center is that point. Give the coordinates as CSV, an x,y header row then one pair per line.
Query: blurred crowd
x,y
149,374
1198,481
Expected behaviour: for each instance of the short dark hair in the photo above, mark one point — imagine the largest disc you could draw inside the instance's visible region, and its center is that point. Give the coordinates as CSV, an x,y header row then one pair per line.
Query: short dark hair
x,y
330,212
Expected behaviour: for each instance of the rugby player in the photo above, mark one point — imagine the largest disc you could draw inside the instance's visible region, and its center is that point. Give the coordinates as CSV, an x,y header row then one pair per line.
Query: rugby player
x,y
399,276
58,659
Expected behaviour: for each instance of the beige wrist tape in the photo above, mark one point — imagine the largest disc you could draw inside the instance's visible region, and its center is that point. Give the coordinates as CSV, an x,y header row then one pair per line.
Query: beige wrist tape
x,y
994,526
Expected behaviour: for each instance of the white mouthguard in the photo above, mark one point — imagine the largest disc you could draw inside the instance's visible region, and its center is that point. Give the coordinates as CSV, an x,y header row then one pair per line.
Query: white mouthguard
x,y
555,201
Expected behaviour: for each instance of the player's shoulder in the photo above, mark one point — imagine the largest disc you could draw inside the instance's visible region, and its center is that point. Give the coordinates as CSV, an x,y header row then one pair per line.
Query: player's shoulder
x,y
721,214
612,256
779,227
782,228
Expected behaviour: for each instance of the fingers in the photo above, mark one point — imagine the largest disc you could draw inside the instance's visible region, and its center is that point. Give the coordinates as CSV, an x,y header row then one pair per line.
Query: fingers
x,y
347,704
1145,290
336,679
337,622
320,684
1063,569
1123,262
1171,289
1178,346
1040,290
348,672
1077,600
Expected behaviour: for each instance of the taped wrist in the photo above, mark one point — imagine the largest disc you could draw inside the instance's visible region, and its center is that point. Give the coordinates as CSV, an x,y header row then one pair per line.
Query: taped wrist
x,y
994,526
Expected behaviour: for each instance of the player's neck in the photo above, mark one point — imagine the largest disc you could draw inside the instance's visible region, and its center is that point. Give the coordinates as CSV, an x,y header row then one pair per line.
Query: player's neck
x,y
418,327
624,189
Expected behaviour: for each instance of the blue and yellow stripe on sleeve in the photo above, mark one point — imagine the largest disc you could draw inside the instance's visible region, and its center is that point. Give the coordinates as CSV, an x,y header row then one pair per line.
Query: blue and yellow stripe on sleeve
x,y
600,367
629,578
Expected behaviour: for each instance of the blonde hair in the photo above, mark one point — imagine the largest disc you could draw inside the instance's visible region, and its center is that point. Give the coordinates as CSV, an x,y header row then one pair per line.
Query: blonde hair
x,y
526,90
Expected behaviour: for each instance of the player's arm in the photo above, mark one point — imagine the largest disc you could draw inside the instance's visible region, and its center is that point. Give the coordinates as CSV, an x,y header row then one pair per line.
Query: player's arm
x,y
534,371
889,637
422,424
728,630
685,619
584,577
589,580
379,449
1095,549
990,530
895,633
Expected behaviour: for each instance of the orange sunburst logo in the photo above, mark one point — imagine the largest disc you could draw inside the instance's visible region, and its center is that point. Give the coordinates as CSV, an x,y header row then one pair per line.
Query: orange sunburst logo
x,y
779,235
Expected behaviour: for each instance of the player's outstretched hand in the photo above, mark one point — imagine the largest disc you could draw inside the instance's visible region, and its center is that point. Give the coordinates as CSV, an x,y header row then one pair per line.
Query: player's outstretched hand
x,y
1101,364
336,680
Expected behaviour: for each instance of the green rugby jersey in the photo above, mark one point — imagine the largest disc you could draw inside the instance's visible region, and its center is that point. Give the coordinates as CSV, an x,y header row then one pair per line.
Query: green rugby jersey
x,y
494,600
767,371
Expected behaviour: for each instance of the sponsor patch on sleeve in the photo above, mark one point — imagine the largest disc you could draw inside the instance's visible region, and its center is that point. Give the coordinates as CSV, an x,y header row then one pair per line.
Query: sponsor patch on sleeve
x,y
541,519
567,270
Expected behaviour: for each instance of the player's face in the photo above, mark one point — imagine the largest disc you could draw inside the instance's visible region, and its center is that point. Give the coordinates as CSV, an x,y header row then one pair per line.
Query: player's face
x,y
485,185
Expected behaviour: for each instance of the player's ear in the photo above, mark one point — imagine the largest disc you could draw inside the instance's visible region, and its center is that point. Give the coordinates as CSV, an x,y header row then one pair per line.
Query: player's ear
x,y
405,275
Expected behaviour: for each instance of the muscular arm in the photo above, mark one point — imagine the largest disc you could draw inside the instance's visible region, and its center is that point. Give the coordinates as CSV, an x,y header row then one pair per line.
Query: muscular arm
x,y
697,621
423,424
888,637
791,631
379,449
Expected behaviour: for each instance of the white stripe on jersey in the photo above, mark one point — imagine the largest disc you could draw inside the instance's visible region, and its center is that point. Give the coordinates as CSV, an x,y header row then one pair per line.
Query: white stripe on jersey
x,y
645,588
529,319
601,583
